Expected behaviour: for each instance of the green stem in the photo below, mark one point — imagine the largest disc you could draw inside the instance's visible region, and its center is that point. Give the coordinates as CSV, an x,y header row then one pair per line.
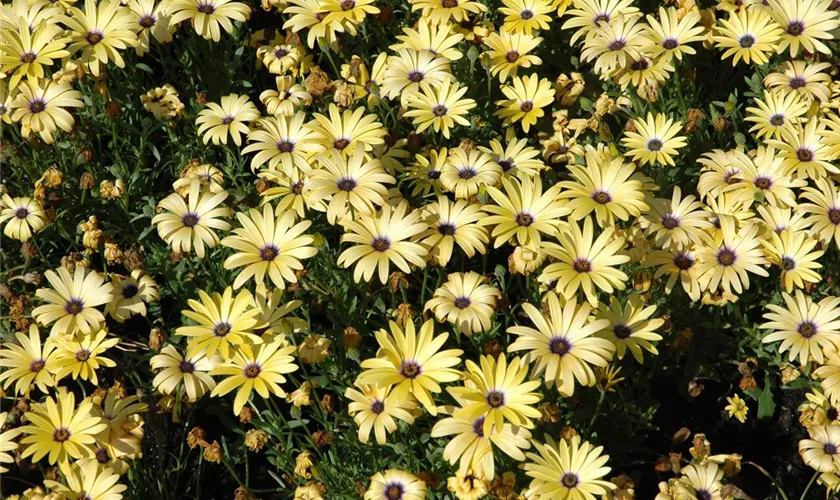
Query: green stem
x,y
597,410
810,483
770,477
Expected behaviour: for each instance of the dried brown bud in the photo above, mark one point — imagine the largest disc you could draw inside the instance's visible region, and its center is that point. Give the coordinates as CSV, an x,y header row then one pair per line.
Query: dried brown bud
x,y
175,257
201,98
352,338
568,432
255,439
113,110
317,83
132,259
694,116
328,403
243,494
675,460
695,388
86,181
196,437
431,479
467,145
630,126
549,413
262,185
156,339
493,348
720,123
747,383
321,438
246,414
681,436
213,452
28,250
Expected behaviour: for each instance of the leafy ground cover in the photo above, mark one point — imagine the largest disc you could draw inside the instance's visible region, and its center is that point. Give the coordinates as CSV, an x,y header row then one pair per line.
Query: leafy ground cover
x,y
437,249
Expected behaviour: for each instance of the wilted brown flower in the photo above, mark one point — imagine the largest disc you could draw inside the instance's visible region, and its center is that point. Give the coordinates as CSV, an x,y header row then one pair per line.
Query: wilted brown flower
x,y
747,383
720,123
694,116
649,92
91,233
397,280
403,314
246,415
432,479
345,95
503,487
196,437
321,438
352,338
314,349
493,348
317,83
113,110
695,388
701,447
549,413
113,254
624,488
132,259
243,494
111,190
213,452
86,181
789,373
201,98
255,439
568,432
304,465
156,339
328,403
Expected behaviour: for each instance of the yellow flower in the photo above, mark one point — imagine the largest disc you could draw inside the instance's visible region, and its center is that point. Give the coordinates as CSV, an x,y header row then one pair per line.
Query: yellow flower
x,y
410,68
820,452
465,172
223,322
72,301
435,38
609,188
630,327
589,14
395,484
749,34
346,131
564,343
525,100
25,53
677,223
82,356
282,141
268,246
375,408
523,212
207,16
806,150
154,21
517,159
60,429
526,16
439,12
23,216
585,262
671,35
498,392
823,211
99,32
567,469
727,261
308,14
806,328
800,77
28,362
228,118
39,107
613,43
656,140
794,253
453,223
382,240
737,408
439,107
804,22
466,486
287,99
262,371
131,294
778,110
189,221
465,301
413,364
89,480
176,369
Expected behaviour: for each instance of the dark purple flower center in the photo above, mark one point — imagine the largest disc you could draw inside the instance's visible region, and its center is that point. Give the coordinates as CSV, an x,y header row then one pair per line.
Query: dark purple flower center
x,y
27,57
495,399
439,110
21,213
622,331
804,154
582,265
524,219
512,56
206,8
746,41
655,145
446,229
269,252
190,219
467,173
381,244
377,407
670,221
147,20
37,105
94,37
807,329
670,43
285,146
410,369
129,291
186,366
684,262
74,306
462,302
763,182
834,215
61,435
222,329
82,355
569,480
252,370
795,28
601,197
726,257
559,345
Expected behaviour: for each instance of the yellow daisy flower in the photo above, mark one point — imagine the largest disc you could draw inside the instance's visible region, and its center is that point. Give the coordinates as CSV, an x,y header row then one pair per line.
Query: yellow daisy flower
x,y
100,31
89,481
670,34
630,327
719,172
564,343
805,327
308,15
23,217
749,34
778,110
408,69
677,265
207,16
439,39
525,100
767,176
439,107
7,442
268,246
584,263
807,80
190,221
676,223
822,451
727,262
526,16
498,392
453,223
349,186
60,429
805,150
523,212
613,44
395,484
228,118
702,481
39,107
346,131
588,15
517,159
466,302
441,11
382,240
805,22
374,408
737,408
130,295
82,356
413,364
190,371
606,187
222,323
26,54
28,363
655,140
261,369
282,141
72,301
287,99
567,469
154,21
823,213
464,173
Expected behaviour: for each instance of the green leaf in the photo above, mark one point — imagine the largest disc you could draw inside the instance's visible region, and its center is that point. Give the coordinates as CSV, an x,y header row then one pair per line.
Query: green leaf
x,y
766,405
145,68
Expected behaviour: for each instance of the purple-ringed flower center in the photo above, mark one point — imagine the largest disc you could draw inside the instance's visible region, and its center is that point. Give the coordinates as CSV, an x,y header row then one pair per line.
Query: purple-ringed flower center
x,y
655,145
377,407
82,355
252,370
410,369
601,17
797,82
526,106
834,215
186,366
640,65
102,456
807,329
27,57
777,120
37,365
746,41
94,37
524,219
269,252
348,5
478,426
512,56
804,154
788,264
394,491
147,20
74,306
795,28
37,105
526,14
616,45
726,257
206,8
228,120
830,449
286,146
763,182
670,43
21,213
439,110
415,76
61,435
670,221
582,265
622,331
129,291
495,399
190,219
601,197
467,173
462,302
683,262
569,480
345,184
559,345
446,229
381,244
222,329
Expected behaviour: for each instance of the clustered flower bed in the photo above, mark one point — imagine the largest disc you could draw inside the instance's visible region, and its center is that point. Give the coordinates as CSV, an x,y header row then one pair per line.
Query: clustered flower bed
x,y
516,249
